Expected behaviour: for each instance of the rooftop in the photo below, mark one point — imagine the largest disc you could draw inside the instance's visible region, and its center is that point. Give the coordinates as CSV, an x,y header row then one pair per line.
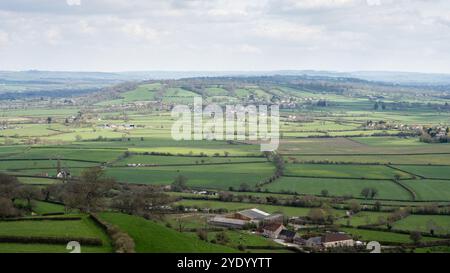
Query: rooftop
x,y
272,227
335,237
224,220
254,213
287,233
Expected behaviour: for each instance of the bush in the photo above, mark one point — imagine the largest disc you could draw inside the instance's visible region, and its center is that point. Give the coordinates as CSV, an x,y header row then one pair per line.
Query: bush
x,y
122,242
50,240
7,208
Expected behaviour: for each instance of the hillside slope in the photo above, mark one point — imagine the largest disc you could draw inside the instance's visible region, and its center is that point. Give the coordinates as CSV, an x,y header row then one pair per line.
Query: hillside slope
x,y
152,237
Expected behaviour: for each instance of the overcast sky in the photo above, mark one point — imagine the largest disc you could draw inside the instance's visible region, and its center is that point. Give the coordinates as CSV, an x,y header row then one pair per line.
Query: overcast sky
x,y
124,35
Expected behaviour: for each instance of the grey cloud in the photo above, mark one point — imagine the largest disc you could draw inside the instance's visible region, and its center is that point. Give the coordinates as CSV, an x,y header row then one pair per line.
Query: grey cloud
x,y
229,35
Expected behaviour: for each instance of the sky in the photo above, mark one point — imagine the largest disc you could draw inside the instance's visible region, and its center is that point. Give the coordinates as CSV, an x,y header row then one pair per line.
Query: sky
x,y
219,35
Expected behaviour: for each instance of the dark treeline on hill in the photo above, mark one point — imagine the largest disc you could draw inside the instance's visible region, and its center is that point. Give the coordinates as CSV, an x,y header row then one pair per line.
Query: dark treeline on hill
x,y
57,93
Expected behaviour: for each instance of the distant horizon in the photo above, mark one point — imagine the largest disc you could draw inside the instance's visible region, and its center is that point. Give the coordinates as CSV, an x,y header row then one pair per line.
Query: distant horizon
x,y
225,71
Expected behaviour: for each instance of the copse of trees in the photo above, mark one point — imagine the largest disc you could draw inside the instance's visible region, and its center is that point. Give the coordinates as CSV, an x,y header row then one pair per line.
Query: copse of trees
x,y
369,192
179,184
89,192
10,191
141,200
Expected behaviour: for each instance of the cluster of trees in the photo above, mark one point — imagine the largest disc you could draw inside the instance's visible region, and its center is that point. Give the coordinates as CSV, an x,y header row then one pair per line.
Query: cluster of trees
x,y
396,216
369,193
179,184
379,105
321,216
296,201
94,191
11,190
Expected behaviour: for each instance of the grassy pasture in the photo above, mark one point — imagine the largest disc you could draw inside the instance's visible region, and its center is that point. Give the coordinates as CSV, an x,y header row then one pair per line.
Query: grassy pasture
x,y
37,181
151,237
166,160
338,187
364,218
424,223
72,228
41,207
46,248
42,164
382,236
430,189
356,171
55,152
378,159
439,172
214,177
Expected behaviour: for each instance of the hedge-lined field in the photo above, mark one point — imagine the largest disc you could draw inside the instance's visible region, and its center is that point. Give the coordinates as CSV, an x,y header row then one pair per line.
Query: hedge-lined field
x,y
46,248
214,177
168,160
151,237
338,187
96,155
382,236
364,218
60,230
353,171
437,172
425,223
430,189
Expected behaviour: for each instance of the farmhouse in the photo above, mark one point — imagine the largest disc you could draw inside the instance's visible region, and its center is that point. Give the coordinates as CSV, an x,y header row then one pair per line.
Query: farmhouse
x,y
337,240
272,230
329,240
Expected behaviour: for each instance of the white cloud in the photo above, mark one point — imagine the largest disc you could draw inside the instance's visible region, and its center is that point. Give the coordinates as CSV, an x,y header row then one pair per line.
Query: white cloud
x,y
141,32
202,34
249,49
4,38
73,2
373,2
53,36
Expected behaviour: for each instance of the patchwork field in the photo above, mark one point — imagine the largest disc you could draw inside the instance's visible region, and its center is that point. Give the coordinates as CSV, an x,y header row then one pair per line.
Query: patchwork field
x,y
338,187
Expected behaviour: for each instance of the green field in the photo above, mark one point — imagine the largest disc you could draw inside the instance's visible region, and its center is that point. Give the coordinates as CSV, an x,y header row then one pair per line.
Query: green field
x,y
430,189
437,172
84,228
425,223
338,187
382,236
353,171
232,175
151,237
364,218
